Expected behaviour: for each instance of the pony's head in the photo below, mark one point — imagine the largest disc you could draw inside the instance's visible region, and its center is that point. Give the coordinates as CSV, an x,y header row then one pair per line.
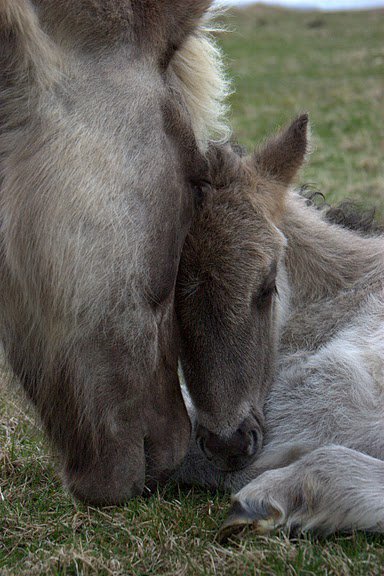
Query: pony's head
x,y
232,291
106,109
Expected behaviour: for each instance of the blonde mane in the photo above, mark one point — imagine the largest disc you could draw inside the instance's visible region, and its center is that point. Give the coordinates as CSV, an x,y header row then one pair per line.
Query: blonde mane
x,y
204,85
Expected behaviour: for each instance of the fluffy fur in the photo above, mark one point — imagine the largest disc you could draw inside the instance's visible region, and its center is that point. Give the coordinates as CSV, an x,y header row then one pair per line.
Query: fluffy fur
x,y
199,68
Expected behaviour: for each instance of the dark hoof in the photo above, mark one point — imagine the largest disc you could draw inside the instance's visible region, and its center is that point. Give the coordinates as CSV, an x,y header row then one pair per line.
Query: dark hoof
x,y
239,518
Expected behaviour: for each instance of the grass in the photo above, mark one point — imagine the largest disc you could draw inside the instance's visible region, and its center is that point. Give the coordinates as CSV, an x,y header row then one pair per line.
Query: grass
x,y
282,63
330,65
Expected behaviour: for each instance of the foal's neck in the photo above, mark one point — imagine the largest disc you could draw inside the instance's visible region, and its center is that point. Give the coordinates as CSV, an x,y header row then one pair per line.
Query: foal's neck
x,y
324,259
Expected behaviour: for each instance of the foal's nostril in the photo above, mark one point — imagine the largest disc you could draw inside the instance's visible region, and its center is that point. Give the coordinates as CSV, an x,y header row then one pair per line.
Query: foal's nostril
x,y
232,452
202,445
253,442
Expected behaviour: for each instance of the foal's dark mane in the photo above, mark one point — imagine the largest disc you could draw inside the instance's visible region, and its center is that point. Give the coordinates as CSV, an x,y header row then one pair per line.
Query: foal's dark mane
x,y
347,214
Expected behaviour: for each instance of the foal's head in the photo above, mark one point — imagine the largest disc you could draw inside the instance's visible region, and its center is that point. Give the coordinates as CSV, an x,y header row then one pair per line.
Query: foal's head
x,y
228,301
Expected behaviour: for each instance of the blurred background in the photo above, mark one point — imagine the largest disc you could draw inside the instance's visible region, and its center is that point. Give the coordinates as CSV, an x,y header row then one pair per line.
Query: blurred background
x,y
327,62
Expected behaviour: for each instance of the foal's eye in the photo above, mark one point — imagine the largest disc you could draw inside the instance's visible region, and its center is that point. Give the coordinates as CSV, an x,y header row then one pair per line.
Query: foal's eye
x,y
200,190
263,298
267,290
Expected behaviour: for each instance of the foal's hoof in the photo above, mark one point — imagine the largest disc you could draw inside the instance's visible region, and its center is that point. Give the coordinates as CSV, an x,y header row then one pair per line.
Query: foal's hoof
x,y
240,518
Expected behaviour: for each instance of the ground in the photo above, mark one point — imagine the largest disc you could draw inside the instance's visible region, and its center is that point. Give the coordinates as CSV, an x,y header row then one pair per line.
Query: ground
x,y
282,63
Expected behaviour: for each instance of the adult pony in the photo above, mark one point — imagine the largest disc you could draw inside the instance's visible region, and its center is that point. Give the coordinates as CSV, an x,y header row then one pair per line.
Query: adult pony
x,y
284,310
106,107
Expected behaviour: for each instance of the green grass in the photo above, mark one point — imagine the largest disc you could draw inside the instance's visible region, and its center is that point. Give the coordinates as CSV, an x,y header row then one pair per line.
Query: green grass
x,y
282,63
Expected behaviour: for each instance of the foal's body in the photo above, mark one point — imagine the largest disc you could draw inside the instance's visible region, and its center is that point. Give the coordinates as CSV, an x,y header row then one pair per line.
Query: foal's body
x,y
321,466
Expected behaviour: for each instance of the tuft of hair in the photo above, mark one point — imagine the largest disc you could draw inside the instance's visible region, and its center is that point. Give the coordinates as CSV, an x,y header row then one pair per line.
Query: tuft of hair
x,y
347,214
351,215
199,67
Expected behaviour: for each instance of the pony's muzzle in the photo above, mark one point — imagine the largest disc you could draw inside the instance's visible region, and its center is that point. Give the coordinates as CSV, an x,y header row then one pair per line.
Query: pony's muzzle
x,y
233,452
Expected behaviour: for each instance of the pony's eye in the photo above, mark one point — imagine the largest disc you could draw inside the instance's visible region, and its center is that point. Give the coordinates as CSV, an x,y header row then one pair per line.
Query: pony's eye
x,y
200,190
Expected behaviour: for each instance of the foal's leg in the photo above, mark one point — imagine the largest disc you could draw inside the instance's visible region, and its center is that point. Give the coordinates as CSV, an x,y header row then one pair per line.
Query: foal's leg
x,y
332,488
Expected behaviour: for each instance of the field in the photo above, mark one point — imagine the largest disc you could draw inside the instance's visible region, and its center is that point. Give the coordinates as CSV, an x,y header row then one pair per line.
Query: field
x,y
282,63
330,65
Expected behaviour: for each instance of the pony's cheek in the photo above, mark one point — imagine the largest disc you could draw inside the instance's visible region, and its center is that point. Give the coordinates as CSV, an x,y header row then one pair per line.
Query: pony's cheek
x,y
162,277
164,258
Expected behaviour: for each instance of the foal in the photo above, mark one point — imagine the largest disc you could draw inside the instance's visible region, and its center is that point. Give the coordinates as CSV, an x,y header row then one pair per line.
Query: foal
x,y
284,310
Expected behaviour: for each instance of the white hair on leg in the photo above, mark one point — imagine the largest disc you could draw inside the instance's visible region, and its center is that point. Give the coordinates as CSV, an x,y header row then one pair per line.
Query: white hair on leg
x,y
330,489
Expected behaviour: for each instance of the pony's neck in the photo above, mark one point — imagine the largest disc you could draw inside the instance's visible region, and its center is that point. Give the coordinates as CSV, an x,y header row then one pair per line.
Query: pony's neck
x,y
323,259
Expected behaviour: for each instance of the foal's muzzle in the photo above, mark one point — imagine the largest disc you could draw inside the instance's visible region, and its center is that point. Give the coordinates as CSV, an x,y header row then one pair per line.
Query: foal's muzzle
x,y
234,452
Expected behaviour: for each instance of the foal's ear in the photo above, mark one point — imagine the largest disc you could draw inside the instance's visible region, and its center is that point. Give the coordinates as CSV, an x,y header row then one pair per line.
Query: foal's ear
x,y
283,155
